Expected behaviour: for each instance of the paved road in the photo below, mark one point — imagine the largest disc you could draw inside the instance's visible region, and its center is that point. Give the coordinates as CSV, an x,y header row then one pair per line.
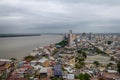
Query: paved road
x,y
57,54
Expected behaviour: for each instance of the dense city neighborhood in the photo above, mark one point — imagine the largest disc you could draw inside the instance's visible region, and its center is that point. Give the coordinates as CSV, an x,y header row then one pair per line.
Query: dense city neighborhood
x,y
84,56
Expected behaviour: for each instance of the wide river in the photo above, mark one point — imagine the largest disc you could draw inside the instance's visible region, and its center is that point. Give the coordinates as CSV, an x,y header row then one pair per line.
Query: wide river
x,y
19,47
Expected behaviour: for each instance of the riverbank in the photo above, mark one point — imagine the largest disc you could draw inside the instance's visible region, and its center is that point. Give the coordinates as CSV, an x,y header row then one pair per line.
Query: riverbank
x,y
18,47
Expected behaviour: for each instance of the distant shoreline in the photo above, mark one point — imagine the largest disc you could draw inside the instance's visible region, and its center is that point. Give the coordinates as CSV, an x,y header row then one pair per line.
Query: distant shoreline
x,y
25,35
19,47
15,35
39,34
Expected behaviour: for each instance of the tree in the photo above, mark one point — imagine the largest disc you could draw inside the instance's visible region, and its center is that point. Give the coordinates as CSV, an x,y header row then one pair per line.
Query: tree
x,y
83,34
63,43
81,76
84,54
118,66
85,76
13,59
55,78
80,62
78,66
109,42
79,51
29,58
98,51
110,64
96,63
80,59
112,58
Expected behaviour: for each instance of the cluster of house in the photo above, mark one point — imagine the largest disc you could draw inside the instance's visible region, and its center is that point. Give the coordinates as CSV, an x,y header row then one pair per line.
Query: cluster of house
x,y
109,44
43,65
6,67
67,60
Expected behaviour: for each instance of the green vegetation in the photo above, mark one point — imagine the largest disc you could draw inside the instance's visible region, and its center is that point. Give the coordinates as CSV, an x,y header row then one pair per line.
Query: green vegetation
x,y
13,59
84,34
109,42
29,58
112,58
79,51
110,64
82,53
80,59
79,62
63,43
96,63
98,51
84,76
27,76
55,78
79,65
118,66
63,69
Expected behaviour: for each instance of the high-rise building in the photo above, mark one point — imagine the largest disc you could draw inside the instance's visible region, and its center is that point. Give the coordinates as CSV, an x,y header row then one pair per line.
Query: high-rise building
x,y
70,31
71,38
90,36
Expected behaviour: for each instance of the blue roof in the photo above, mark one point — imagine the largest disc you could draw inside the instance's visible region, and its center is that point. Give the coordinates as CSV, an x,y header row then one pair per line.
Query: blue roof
x,y
58,46
57,70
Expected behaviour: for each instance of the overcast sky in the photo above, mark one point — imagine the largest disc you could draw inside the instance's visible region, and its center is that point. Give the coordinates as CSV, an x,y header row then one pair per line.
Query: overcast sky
x,y
57,16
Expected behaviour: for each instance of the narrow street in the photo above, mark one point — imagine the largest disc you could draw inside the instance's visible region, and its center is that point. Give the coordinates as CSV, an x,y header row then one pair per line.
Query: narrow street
x,y
57,54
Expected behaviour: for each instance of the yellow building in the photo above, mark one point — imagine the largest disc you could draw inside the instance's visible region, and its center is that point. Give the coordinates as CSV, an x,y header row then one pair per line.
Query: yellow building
x,y
72,62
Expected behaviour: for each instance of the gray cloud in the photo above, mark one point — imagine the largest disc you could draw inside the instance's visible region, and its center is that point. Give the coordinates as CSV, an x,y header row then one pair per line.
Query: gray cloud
x,y
38,16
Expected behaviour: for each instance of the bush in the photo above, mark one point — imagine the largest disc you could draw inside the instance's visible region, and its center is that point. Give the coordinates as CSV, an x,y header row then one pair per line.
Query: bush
x,y
63,43
55,78
29,58
96,63
110,64
109,42
85,76
118,67
13,59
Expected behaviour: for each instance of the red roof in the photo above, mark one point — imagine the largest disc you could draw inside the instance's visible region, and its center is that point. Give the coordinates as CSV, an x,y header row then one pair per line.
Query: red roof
x,y
2,63
26,66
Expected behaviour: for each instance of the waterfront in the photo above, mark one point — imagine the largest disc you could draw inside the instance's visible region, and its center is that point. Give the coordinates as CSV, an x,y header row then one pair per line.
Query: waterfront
x,y
45,62
18,47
